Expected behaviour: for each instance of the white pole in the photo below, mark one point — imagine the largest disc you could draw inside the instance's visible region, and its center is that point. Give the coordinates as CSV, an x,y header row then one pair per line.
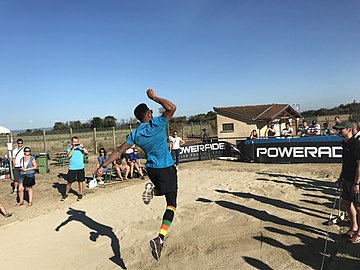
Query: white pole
x,y
9,145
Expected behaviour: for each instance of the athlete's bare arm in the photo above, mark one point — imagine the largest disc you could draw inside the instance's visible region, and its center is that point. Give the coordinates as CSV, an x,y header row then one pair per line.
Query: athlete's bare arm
x,y
169,107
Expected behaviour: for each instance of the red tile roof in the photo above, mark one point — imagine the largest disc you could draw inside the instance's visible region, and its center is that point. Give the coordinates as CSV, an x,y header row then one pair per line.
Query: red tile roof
x,y
257,112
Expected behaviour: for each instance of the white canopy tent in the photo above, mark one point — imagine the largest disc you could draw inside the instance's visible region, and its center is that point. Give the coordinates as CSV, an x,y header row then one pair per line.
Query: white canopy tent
x,y
7,132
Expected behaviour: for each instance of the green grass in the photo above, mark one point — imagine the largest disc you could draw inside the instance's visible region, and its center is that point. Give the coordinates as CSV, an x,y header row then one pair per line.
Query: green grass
x,y
60,142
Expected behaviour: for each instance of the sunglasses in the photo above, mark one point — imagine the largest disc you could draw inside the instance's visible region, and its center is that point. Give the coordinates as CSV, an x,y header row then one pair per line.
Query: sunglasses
x,y
27,151
102,152
20,143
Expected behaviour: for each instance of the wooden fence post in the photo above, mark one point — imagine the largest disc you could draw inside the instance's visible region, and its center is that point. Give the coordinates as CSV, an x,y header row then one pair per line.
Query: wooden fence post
x,y
114,138
71,134
95,141
44,141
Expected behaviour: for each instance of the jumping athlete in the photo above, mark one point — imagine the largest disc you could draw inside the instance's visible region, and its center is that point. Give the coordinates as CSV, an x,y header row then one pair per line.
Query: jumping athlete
x,y
150,136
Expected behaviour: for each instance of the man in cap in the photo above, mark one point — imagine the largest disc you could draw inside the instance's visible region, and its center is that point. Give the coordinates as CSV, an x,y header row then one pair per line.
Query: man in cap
x,y
350,178
150,136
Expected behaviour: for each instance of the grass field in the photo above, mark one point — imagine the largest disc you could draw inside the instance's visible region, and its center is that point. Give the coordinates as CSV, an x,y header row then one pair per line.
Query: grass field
x,y
105,138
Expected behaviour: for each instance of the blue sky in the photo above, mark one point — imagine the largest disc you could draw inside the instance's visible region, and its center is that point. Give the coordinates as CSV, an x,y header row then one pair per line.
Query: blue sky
x,y
74,60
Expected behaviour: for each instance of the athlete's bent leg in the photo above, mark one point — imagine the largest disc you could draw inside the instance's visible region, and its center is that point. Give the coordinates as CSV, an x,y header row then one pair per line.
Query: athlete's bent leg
x,y
169,214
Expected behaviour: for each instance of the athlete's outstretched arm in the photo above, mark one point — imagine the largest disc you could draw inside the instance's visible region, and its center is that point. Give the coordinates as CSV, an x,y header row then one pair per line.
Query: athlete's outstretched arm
x,y
169,107
114,155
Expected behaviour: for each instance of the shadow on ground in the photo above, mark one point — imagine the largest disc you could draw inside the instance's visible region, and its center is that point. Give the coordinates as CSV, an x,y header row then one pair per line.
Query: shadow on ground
x,y
98,229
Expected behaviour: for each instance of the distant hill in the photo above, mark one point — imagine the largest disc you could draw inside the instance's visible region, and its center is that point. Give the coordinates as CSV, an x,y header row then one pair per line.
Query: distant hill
x,y
351,108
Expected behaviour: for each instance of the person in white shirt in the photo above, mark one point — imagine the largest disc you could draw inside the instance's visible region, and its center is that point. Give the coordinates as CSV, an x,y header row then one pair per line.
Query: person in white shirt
x,y
18,154
175,146
314,129
287,131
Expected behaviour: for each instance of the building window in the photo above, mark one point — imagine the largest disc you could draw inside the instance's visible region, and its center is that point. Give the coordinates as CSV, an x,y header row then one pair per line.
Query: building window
x,y
228,127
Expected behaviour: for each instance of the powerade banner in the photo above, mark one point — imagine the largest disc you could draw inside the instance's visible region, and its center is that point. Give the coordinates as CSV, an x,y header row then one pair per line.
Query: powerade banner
x,y
204,151
293,150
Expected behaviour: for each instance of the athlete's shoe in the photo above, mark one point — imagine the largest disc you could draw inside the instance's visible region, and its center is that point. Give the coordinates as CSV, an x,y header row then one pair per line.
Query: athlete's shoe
x,y
156,247
64,197
148,193
79,198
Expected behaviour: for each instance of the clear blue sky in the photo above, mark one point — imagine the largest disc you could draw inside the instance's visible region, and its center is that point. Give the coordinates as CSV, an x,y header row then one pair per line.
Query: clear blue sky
x,y
76,59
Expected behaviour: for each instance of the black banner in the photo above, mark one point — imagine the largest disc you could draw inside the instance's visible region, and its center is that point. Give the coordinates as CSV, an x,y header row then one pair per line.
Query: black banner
x,y
204,151
293,150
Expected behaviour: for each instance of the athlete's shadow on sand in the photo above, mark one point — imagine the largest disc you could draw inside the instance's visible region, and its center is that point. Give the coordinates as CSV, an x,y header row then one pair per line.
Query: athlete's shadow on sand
x,y
98,230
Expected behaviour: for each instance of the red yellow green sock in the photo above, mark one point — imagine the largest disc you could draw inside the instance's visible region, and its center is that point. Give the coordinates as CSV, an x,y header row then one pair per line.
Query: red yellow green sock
x,y
167,220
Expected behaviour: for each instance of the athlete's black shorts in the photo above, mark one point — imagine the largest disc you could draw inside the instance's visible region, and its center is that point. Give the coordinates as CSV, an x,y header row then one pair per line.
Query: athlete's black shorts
x,y
76,175
164,179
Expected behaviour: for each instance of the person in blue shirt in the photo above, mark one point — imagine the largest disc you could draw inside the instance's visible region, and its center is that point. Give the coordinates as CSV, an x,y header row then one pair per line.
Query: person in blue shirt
x,y
76,170
150,136
102,157
134,162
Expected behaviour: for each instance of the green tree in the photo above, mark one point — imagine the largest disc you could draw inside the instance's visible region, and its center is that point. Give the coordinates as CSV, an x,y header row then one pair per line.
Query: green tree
x,y
109,121
96,122
60,126
75,124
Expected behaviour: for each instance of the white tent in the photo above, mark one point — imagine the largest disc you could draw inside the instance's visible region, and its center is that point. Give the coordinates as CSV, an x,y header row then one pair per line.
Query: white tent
x,y
4,130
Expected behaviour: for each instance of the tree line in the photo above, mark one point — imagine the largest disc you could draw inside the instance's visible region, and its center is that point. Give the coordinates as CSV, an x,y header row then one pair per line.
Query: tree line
x,y
111,121
350,108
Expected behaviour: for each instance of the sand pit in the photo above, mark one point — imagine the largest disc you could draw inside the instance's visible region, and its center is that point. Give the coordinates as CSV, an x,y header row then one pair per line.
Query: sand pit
x,y
230,215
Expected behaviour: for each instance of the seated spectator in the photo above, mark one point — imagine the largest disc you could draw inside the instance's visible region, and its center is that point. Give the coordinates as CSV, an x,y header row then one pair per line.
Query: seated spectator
x,y
270,132
102,157
314,129
254,134
121,167
287,131
4,212
134,162
326,130
356,130
337,120
303,129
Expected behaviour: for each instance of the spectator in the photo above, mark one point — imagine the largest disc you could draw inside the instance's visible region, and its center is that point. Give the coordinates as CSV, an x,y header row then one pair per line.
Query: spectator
x,y
121,166
326,130
175,143
76,170
254,134
356,130
287,131
337,121
304,128
349,178
4,212
134,162
270,131
18,154
314,129
102,157
28,167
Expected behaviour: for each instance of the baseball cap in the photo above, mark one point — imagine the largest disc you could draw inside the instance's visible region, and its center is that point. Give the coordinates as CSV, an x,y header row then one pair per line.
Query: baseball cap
x,y
343,124
140,111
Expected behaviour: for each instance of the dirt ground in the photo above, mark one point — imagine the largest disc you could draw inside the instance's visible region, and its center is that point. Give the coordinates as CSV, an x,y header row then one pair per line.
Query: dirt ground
x,y
248,215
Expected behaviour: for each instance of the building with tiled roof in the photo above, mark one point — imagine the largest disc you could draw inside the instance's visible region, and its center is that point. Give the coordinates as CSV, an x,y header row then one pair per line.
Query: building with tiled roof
x,y
236,123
